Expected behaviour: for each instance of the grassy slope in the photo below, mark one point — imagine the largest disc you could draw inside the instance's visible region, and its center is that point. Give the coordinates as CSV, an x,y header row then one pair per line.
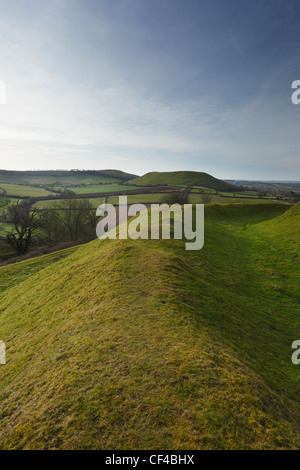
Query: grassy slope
x,y
137,344
182,178
156,198
19,190
153,198
101,188
64,177
53,204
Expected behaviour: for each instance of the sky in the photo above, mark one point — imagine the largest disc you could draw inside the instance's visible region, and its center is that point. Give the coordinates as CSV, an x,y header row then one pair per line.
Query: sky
x,y
151,85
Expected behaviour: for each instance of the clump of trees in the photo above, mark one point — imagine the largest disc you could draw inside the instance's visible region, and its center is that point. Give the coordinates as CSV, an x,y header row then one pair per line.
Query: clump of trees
x,y
181,197
205,198
25,225
178,197
70,219
3,205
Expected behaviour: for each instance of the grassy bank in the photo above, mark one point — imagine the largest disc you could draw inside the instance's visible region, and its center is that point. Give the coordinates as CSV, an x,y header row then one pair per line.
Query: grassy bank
x,y
140,344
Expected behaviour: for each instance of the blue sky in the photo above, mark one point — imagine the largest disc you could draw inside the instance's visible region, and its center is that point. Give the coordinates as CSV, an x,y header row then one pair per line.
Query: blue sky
x,y
151,85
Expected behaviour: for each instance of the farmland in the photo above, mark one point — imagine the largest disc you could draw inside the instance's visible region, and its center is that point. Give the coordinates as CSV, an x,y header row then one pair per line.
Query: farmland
x,y
182,179
41,197
63,177
100,188
52,204
24,191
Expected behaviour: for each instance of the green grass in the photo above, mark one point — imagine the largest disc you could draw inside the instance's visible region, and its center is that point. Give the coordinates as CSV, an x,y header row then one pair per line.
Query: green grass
x,y
96,201
52,204
139,198
196,199
204,190
48,204
182,178
20,190
5,202
101,188
143,345
248,193
5,227
240,194
157,198
64,177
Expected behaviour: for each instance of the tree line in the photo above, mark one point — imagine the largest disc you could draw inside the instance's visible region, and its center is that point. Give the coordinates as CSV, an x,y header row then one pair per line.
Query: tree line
x,y
70,219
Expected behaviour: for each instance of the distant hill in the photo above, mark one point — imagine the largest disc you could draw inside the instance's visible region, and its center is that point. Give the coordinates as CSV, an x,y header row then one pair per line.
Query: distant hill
x,y
64,177
183,178
137,344
269,185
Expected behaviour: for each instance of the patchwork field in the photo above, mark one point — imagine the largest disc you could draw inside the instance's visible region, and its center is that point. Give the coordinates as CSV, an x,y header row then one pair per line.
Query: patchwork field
x,y
182,178
24,191
218,199
53,204
64,177
139,198
100,188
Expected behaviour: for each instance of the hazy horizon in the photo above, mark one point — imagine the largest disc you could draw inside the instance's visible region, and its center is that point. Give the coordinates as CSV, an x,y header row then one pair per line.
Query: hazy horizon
x,y
151,85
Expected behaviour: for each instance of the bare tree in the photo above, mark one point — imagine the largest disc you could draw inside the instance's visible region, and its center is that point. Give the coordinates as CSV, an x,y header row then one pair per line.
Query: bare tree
x,y
89,214
70,218
205,198
3,208
76,215
25,224
178,197
51,225
3,202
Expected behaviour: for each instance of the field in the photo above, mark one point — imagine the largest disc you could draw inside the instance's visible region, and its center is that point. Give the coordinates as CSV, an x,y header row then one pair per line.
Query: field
x,y
5,227
125,344
100,188
153,197
24,191
269,185
217,199
149,188
139,198
63,177
53,204
48,197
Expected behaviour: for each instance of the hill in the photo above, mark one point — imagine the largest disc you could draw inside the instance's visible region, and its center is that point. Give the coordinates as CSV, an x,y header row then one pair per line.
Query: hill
x,y
183,178
64,177
127,344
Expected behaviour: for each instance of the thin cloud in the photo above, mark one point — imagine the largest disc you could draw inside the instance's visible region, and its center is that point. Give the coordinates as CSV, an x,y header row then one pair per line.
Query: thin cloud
x,y
93,82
